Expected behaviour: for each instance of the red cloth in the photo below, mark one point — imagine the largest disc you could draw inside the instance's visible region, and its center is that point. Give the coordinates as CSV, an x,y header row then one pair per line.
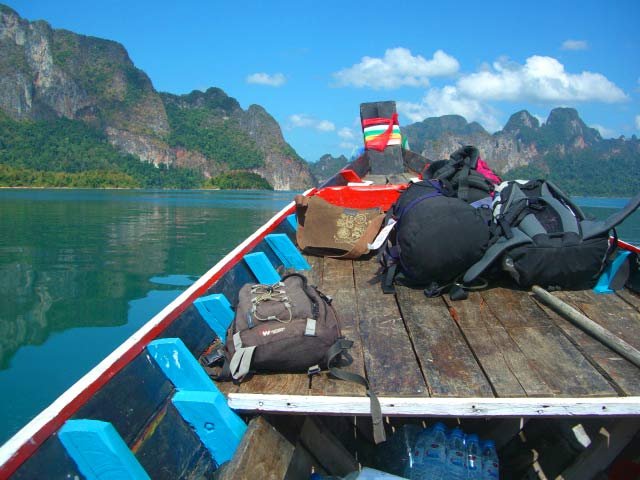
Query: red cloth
x,y
380,142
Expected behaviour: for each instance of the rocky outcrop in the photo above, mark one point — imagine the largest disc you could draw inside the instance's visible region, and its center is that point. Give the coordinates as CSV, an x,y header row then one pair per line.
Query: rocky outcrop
x,y
326,167
522,141
48,73
283,168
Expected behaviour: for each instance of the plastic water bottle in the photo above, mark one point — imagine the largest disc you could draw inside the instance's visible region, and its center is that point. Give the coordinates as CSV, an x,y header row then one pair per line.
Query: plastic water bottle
x,y
416,468
429,454
474,457
490,462
456,468
435,454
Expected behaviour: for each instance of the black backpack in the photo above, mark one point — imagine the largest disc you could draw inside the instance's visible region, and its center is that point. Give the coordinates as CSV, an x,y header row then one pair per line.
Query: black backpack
x,y
461,176
540,236
436,238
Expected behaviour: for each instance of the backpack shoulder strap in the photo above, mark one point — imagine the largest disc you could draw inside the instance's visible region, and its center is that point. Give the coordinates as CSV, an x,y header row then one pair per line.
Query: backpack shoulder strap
x,y
341,347
569,221
493,252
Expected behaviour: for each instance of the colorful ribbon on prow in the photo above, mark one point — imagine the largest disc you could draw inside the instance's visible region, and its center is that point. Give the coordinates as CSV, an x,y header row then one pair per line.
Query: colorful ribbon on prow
x,y
380,132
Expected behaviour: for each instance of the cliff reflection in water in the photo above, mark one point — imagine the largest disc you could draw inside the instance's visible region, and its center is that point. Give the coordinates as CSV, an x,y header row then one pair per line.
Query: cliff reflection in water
x,y
76,258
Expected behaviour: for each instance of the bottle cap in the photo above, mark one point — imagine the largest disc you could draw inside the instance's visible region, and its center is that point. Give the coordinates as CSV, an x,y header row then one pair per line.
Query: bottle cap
x,y
488,444
472,437
440,426
456,432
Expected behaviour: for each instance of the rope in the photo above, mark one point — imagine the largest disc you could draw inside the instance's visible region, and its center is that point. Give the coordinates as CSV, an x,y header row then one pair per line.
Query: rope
x,y
270,293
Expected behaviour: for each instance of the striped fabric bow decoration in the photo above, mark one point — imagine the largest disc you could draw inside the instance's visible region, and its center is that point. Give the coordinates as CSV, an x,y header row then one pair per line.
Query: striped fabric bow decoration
x,y
380,132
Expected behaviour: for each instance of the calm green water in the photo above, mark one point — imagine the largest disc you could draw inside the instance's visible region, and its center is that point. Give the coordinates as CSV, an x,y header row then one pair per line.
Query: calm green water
x,y
81,270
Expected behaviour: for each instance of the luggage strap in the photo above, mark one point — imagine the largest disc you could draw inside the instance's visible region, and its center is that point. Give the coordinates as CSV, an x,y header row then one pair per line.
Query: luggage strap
x,y
342,346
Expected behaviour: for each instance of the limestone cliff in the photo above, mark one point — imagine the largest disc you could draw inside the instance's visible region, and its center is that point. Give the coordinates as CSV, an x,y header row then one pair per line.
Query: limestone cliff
x,y
522,141
47,73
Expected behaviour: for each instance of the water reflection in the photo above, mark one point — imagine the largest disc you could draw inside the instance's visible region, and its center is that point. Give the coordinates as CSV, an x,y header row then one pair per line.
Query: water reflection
x,y
73,264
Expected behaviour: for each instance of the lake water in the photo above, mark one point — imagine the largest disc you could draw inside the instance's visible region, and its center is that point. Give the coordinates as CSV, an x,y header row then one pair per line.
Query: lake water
x,y
81,270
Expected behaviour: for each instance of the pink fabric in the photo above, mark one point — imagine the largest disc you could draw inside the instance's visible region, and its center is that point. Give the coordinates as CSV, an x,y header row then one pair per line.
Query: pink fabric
x,y
484,169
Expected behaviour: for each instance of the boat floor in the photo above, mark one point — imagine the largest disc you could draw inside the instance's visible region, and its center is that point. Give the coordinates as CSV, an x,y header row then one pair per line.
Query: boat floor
x,y
498,353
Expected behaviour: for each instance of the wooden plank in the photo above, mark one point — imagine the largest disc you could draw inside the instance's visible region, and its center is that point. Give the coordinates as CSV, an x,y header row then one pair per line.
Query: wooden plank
x,y
602,334
51,460
622,374
302,464
263,453
630,297
603,450
317,266
444,356
99,451
438,406
325,447
390,361
180,446
505,366
514,308
276,383
128,403
564,369
338,283
610,311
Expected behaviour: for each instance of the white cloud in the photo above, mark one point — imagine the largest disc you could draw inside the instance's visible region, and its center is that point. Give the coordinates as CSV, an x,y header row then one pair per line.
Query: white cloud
x,y
348,146
346,133
449,101
325,126
302,120
397,68
575,45
604,131
272,80
540,79
542,120
637,122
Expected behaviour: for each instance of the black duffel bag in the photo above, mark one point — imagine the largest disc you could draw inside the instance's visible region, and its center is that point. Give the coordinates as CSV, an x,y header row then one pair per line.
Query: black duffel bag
x,y
436,238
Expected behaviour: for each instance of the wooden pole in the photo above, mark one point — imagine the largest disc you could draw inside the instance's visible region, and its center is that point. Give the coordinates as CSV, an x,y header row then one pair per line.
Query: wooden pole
x,y
612,341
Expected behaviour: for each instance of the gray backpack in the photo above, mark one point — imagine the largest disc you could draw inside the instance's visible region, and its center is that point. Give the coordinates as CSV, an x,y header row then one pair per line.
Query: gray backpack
x,y
539,236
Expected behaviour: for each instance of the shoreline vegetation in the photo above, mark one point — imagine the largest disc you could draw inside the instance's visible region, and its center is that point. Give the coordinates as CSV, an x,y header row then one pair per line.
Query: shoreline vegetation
x,y
12,177
67,153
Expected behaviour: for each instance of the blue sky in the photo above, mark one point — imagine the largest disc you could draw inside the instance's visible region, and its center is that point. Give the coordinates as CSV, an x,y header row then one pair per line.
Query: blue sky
x,y
311,64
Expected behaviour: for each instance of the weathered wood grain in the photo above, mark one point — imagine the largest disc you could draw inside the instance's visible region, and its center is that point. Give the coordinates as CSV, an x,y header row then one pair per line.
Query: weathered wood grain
x,y
317,266
324,446
390,361
263,453
514,308
622,374
439,406
630,297
444,356
506,367
604,449
564,369
338,283
609,311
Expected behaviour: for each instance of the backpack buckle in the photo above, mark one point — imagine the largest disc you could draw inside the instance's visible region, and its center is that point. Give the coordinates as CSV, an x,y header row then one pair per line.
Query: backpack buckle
x,y
214,358
313,370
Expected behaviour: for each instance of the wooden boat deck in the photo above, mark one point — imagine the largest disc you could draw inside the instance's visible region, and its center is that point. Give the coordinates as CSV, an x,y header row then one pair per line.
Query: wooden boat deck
x,y
499,353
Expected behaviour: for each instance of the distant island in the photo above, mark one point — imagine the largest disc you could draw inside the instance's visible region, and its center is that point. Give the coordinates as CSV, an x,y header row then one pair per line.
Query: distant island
x,y
76,112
